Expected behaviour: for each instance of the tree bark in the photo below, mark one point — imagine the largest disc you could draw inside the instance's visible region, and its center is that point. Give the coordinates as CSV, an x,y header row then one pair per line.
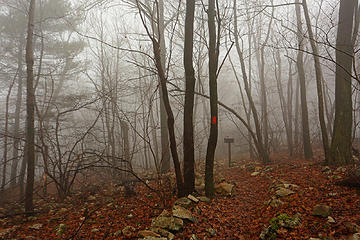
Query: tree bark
x,y
302,80
213,67
30,104
188,141
342,139
318,73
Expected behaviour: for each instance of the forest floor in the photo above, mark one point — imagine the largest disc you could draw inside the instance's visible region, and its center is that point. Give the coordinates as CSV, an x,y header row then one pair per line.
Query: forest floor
x,y
103,213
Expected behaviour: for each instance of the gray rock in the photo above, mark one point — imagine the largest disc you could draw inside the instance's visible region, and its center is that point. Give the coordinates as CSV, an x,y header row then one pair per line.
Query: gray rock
x,y
183,213
352,227
148,233
211,231
183,202
322,211
128,231
325,169
36,226
155,238
204,199
331,219
282,192
164,233
169,223
224,188
193,237
192,198
275,203
355,236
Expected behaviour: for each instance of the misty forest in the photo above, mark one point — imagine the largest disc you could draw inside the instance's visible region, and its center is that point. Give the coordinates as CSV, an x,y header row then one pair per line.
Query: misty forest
x,y
180,119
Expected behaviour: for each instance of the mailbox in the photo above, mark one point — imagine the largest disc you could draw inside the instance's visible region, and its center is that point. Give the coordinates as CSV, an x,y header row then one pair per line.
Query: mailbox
x,y
228,140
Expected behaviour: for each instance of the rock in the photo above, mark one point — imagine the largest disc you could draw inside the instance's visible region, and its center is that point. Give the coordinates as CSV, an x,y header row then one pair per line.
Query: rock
x,y
94,230
257,169
165,213
183,202
117,233
341,169
204,199
192,198
275,203
164,233
254,174
291,186
169,223
321,211
128,231
282,192
352,227
61,229
130,215
355,236
148,233
91,198
183,213
331,219
36,226
193,237
326,170
224,188
211,231
154,238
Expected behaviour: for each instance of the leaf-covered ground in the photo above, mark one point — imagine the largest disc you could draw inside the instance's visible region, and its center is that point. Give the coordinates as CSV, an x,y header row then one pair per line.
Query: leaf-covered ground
x,y
104,213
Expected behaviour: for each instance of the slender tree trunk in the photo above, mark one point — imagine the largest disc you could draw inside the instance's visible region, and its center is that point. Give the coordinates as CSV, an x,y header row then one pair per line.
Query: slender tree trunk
x,y
5,153
188,141
300,66
30,103
213,67
318,73
341,140
263,154
16,133
165,153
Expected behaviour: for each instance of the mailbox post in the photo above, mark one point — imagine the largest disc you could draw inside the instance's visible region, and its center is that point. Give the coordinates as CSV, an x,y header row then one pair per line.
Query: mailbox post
x,y
229,141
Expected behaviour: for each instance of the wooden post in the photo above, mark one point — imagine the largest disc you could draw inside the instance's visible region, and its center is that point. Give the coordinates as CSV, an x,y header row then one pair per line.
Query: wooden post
x,y
229,141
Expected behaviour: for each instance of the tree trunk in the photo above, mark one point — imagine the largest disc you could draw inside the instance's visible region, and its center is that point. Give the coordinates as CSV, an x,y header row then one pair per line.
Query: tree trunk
x,y
16,133
165,153
263,154
318,73
303,98
30,103
213,67
341,140
188,141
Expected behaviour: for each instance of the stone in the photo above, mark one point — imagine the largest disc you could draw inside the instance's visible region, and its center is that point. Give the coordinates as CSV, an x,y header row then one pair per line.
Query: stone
x,y
283,192
204,199
321,211
164,233
36,226
193,198
154,238
291,186
331,219
148,233
326,170
254,174
91,198
128,231
355,236
275,203
258,169
352,227
169,223
183,202
211,231
183,213
94,230
224,188
193,237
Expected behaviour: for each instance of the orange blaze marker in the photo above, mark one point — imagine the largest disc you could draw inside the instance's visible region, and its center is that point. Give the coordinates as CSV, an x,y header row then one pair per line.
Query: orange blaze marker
x,y
213,120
